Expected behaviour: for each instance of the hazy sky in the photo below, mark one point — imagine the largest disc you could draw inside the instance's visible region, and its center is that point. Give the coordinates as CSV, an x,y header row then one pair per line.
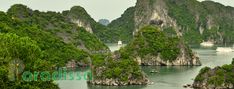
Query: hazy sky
x,y
98,9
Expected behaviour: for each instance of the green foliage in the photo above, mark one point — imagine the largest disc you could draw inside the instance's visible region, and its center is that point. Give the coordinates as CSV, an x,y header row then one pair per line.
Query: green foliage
x,y
88,41
199,77
98,60
123,27
19,10
169,31
13,47
216,76
43,40
196,20
150,40
121,69
204,70
210,16
79,13
216,80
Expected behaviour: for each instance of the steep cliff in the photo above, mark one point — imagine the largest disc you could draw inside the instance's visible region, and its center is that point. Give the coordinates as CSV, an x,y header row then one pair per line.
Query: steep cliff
x,y
150,46
116,72
190,19
81,18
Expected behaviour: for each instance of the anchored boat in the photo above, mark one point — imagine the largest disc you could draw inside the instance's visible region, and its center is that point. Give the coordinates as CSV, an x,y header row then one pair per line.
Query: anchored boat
x,y
120,42
207,44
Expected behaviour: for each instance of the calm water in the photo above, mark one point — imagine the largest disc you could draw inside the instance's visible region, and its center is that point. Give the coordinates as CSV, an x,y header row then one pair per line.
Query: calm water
x,y
167,78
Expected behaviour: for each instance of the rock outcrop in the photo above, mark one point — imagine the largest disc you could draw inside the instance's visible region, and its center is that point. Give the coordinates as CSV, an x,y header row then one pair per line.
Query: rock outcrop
x,y
119,72
190,19
217,78
152,47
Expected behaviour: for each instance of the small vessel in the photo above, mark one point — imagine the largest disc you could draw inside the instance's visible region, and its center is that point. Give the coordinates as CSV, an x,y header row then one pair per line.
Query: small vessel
x,y
207,44
153,71
120,42
187,86
151,83
224,49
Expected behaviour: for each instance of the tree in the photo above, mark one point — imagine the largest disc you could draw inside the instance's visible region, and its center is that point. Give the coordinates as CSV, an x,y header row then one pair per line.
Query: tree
x,y
13,47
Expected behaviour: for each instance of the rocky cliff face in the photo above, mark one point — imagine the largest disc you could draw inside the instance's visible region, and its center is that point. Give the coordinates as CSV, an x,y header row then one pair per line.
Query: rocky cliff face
x,y
184,58
153,10
84,25
151,46
188,18
79,16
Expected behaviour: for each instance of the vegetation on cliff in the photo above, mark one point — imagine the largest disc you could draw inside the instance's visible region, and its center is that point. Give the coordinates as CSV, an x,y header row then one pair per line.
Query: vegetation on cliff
x,y
151,46
195,20
59,25
13,48
116,72
122,28
219,77
42,41
150,40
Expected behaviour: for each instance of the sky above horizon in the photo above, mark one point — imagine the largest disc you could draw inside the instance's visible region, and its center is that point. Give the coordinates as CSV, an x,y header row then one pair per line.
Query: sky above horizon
x,y
98,9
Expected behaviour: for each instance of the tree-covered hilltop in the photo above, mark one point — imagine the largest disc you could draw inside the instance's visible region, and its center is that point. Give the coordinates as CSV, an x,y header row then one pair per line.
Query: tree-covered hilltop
x,y
43,41
55,50
60,25
80,17
217,78
191,19
151,46
116,72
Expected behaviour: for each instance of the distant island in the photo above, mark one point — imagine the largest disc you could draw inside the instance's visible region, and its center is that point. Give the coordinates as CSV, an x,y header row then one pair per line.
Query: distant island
x,y
218,77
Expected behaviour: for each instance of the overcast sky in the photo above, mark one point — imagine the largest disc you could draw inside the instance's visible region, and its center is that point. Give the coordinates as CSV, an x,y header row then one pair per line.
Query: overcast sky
x,y
98,9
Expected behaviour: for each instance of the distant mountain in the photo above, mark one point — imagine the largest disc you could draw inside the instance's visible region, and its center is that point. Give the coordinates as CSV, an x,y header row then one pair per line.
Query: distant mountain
x,y
104,21
80,17
194,21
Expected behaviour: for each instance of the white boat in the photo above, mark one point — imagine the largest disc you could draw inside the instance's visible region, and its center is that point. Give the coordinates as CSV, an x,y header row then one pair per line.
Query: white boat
x,y
120,42
207,44
224,49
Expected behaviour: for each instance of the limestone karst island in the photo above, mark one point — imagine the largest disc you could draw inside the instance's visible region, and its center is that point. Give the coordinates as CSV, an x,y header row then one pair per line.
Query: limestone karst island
x,y
117,44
